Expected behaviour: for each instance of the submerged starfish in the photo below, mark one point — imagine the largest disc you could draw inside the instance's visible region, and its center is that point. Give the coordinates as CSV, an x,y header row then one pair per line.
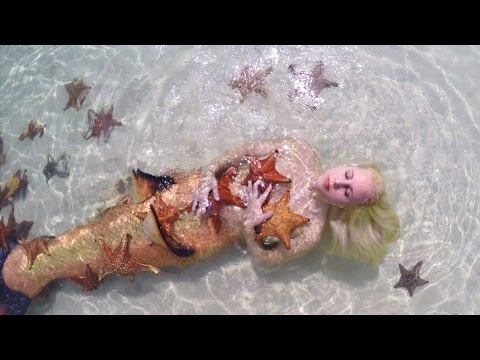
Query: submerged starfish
x,y
251,81
265,170
119,261
101,122
77,92
17,184
35,247
34,128
282,222
89,281
50,170
19,231
309,84
410,279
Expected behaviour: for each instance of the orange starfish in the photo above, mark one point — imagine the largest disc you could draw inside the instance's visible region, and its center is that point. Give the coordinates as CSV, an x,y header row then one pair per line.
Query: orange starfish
x,y
5,232
119,260
19,230
282,222
223,185
35,247
77,91
265,171
89,281
160,225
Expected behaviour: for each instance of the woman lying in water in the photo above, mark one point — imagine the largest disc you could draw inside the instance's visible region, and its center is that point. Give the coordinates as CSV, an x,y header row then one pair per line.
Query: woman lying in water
x,y
272,195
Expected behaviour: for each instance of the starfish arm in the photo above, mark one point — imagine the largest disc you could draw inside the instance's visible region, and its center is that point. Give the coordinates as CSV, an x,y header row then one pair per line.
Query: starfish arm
x,y
399,284
416,268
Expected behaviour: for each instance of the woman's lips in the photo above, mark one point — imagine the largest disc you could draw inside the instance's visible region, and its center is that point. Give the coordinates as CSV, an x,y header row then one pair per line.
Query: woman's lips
x,y
327,183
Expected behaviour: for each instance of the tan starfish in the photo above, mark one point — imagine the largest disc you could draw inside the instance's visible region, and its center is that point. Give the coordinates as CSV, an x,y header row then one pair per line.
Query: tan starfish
x,y
77,92
119,261
35,247
282,222
251,81
34,128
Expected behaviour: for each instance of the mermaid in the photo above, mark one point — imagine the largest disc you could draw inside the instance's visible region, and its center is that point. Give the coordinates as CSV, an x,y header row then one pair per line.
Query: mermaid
x,y
273,196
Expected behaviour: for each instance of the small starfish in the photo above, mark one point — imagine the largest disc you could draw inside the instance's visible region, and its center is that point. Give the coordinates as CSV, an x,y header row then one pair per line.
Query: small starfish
x,y
119,261
282,222
77,91
101,122
17,184
410,279
50,170
310,83
251,81
34,128
35,247
20,231
5,232
89,281
264,170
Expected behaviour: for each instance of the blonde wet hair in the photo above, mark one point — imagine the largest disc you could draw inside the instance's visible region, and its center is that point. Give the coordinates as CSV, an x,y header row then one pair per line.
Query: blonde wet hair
x,y
363,232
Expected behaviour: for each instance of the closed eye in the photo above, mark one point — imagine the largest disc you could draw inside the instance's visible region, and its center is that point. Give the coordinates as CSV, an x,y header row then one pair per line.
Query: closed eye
x,y
349,174
348,192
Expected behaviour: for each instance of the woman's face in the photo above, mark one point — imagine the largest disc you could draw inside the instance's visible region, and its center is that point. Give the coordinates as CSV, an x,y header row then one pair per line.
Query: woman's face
x,y
345,185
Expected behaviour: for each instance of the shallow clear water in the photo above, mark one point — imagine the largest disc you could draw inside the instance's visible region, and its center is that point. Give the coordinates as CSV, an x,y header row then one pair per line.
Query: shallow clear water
x,y
412,109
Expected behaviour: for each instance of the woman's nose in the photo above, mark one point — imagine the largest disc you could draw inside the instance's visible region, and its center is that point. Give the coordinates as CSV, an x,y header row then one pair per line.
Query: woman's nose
x,y
339,185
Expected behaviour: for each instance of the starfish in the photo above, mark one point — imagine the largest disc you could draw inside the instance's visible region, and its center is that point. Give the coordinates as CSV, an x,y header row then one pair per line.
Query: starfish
x,y
89,281
282,222
77,91
223,185
119,261
264,170
5,232
160,226
20,231
101,122
35,247
34,128
251,81
17,184
226,198
410,279
310,83
50,170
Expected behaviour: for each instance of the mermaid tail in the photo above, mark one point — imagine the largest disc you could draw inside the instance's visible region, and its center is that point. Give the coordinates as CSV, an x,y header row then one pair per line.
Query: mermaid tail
x,y
11,302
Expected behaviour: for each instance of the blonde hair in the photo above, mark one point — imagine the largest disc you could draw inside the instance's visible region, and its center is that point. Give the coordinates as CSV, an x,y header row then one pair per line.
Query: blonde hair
x,y
363,231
